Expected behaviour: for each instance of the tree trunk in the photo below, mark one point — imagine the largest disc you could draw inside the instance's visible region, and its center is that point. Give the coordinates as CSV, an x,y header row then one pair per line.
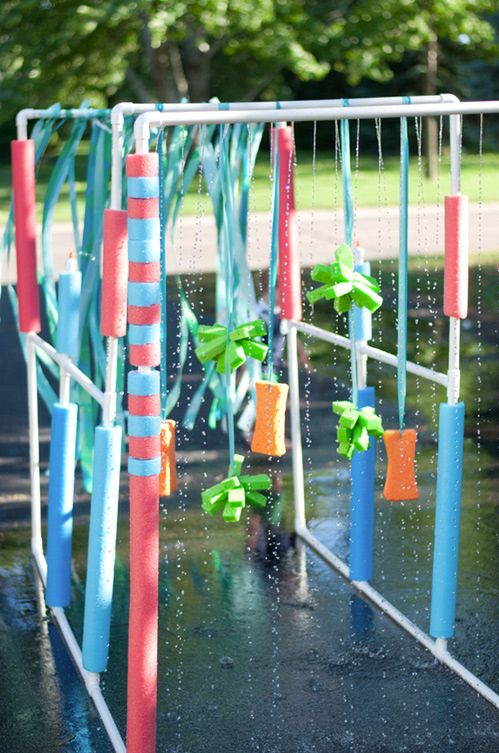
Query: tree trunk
x,y
430,88
197,69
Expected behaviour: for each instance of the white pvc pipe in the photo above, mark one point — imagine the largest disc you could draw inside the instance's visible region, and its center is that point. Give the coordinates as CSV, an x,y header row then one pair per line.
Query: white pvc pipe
x,y
437,648
157,119
68,366
412,368
363,348
34,449
123,109
294,410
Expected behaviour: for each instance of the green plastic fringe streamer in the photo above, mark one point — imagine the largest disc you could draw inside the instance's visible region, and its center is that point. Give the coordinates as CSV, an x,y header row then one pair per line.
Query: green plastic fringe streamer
x,y
236,491
355,427
343,285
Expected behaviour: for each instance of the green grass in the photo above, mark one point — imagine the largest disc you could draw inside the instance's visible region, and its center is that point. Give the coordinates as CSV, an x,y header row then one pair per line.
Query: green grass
x,y
315,189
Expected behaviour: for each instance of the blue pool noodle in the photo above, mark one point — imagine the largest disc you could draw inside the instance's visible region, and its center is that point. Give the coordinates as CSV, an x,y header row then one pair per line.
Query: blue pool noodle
x,y
362,316
362,502
447,517
60,504
101,547
67,337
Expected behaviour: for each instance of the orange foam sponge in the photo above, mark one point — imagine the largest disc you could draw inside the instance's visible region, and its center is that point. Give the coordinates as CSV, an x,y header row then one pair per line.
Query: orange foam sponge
x,y
400,484
168,473
268,437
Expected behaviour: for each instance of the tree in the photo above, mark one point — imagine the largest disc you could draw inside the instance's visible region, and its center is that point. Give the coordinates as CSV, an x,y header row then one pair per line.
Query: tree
x,y
163,50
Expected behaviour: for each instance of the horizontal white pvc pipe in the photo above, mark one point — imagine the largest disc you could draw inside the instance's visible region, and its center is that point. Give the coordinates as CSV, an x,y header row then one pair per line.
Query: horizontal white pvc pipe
x,y
123,109
27,114
91,679
376,353
435,647
67,365
157,119
412,368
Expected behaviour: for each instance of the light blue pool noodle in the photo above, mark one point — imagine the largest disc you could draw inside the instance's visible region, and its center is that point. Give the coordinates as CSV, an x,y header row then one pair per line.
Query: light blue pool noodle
x,y
143,229
143,188
447,517
67,338
362,317
143,382
101,547
144,426
142,334
144,251
149,467
60,504
144,293
362,502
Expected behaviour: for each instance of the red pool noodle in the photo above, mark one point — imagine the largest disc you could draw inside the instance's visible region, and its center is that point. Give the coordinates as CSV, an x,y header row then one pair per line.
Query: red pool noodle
x,y
144,405
144,271
114,274
142,165
456,257
23,184
289,258
143,616
145,355
144,314
143,209
144,448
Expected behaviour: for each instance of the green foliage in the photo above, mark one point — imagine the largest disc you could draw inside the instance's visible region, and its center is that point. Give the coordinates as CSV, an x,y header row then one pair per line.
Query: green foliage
x,y
163,50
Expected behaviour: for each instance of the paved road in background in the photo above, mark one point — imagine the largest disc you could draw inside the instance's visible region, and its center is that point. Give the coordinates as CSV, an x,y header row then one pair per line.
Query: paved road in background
x,y
319,233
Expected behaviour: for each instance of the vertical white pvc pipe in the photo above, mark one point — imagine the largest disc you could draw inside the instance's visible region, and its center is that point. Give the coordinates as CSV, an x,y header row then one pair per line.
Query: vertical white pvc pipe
x,y
294,404
34,450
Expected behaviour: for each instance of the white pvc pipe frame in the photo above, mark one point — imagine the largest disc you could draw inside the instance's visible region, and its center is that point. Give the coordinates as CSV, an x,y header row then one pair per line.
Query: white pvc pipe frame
x,y
157,119
107,399
295,112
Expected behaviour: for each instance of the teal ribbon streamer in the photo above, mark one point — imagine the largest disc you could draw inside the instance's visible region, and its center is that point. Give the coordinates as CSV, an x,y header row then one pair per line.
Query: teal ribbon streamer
x,y
228,262
346,173
274,241
403,270
162,266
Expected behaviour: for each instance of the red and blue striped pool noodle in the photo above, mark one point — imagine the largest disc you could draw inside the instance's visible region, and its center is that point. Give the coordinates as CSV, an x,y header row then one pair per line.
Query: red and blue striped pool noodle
x,y
144,448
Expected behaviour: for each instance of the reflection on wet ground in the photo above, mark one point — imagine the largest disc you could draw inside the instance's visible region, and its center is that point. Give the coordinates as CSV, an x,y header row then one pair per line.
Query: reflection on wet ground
x,y
262,647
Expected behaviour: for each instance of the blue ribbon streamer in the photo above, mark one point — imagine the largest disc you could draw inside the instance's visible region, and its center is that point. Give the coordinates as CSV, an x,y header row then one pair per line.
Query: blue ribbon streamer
x,y
162,267
346,173
228,262
274,241
403,270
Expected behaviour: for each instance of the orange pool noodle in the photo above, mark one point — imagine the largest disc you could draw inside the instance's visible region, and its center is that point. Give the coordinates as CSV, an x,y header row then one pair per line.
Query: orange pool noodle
x,y
268,437
400,484
168,473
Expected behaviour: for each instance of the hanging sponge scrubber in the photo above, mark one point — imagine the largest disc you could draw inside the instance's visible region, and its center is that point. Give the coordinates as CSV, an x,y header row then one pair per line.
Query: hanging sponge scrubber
x,y
400,484
268,438
168,473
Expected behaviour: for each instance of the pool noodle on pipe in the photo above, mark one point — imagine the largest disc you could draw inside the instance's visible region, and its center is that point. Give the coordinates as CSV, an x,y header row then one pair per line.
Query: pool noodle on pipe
x,y
456,257
144,463
68,321
447,519
60,504
361,549
101,547
23,184
289,255
114,274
